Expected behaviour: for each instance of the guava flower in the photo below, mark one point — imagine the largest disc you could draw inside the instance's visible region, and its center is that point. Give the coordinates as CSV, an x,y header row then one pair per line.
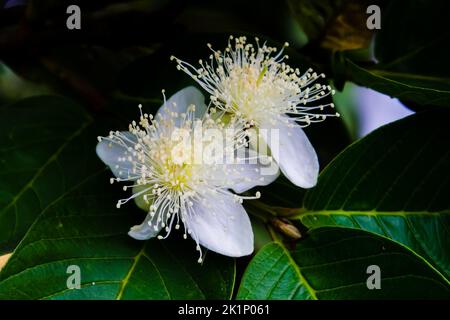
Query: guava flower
x,y
256,85
156,158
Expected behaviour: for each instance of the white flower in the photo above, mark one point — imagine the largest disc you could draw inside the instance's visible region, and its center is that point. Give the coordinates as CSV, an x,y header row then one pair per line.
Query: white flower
x,y
179,192
259,88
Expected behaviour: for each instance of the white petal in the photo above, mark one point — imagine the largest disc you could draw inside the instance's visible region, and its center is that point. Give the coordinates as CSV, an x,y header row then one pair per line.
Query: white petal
x,y
180,101
221,224
245,174
248,176
296,156
144,231
241,173
110,152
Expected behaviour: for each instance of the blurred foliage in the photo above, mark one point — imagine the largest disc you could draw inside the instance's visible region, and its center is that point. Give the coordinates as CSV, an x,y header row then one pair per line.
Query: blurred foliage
x,y
13,87
411,55
334,24
347,108
314,16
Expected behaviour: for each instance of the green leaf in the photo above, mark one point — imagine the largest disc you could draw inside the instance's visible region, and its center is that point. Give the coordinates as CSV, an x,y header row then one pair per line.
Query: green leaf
x,y
408,85
58,209
331,263
42,143
282,193
412,54
85,230
14,87
313,16
394,183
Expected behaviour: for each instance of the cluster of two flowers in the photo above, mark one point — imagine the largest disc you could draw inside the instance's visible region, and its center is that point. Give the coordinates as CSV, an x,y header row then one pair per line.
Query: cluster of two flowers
x,y
252,92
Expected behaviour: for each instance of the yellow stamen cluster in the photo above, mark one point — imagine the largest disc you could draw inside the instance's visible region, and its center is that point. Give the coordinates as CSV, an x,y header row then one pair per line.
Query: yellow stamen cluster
x,y
162,169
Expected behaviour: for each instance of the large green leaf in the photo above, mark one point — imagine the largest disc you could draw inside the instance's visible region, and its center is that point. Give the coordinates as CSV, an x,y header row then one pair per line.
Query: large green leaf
x,y
395,182
43,148
59,210
411,27
332,264
412,54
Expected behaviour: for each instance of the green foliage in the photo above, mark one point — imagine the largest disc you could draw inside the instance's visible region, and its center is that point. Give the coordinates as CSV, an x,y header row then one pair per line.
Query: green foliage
x,y
313,16
395,183
411,52
44,154
383,200
331,263
58,209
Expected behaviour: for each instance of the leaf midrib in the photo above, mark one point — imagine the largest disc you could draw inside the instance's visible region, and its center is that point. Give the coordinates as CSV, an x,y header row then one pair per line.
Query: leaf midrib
x,y
302,279
12,276
423,259
357,284
51,204
52,158
374,73
414,52
83,285
125,280
372,213
403,75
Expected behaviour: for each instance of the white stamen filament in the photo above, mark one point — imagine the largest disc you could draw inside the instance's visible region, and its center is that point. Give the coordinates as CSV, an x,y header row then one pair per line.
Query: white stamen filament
x,y
254,84
169,184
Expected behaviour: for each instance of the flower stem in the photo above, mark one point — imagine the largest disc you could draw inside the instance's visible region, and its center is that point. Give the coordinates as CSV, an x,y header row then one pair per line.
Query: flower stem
x,y
260,210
